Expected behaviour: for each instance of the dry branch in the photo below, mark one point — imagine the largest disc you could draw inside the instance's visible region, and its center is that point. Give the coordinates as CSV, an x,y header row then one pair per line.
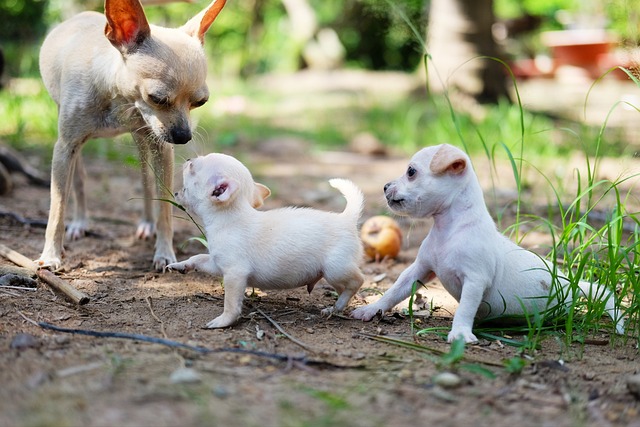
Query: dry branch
x,y
46,276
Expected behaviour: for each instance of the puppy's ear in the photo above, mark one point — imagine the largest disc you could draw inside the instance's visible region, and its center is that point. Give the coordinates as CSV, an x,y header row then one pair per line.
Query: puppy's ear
x,y
127,26
260,193
199,24
448,159
221,190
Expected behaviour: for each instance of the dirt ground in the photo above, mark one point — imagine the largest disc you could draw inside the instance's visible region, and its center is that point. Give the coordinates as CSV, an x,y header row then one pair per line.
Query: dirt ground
x,y
346,378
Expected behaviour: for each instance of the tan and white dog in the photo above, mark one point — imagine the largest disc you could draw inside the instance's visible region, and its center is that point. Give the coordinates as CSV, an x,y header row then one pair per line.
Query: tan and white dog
x,y
113,73
275,249
488,274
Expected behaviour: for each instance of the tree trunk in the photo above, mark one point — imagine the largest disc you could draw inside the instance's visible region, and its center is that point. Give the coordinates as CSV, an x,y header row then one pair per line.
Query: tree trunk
x,y
458,33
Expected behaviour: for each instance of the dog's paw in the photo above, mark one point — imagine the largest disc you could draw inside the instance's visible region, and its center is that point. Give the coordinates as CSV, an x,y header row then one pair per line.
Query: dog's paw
x,y
146,230
76,230
329,311
366,313
50,263
465,334
221,321
160,262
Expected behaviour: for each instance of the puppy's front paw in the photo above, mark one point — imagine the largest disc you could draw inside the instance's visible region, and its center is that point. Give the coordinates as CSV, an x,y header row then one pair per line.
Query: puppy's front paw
x,y
464,333
180,267
221,321
366,313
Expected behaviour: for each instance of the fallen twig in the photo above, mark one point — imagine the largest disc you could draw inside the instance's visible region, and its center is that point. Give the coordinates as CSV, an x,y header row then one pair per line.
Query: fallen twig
x,y
165,342
19,288
153,314
283,332
48,277
423,348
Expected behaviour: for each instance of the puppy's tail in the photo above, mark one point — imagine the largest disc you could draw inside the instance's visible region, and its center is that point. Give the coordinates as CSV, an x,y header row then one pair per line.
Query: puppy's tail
x,y
594,291
355,199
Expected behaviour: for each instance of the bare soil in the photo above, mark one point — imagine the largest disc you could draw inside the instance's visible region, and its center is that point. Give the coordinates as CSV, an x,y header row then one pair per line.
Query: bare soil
x,y
345,378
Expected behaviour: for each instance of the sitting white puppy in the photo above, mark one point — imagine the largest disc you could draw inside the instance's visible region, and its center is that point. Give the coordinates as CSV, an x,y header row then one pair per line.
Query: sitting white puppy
x,y
488,274
276,249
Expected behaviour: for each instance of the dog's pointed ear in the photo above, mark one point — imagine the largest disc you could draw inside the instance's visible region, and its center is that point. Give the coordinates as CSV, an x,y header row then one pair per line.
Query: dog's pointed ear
x,y
127,26
261,192
199,24
222,189
448,159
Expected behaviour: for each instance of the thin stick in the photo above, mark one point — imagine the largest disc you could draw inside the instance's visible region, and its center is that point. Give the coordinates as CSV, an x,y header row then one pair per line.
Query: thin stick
x,y
153,314
48,277
282,331
19,288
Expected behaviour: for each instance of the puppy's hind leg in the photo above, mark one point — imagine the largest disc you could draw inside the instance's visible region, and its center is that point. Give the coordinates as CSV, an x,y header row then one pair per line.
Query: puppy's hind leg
x,y
595,291
346,286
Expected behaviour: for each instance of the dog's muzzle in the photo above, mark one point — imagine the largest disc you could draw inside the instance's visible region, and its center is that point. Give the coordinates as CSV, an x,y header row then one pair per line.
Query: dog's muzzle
x,y
390,194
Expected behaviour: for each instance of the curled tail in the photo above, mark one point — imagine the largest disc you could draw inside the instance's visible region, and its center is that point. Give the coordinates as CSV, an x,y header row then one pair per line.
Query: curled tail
x,y
595,291
355,199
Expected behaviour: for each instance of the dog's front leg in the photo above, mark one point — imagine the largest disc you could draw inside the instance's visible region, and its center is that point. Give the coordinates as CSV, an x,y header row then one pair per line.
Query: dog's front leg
x,y
164,229
400,291
470,300
78,225
234,287
62,169
146,227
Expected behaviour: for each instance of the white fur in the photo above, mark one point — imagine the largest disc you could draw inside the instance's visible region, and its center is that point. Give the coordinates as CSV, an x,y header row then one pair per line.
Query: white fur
x,y
485,272
113,73
276,249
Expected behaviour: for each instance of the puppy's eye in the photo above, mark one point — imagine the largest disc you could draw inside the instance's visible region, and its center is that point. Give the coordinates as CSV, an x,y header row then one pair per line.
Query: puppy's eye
x,y
160,101
411,172
199,103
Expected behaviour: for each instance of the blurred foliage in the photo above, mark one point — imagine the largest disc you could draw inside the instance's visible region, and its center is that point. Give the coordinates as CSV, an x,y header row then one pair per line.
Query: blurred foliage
x,y
254,36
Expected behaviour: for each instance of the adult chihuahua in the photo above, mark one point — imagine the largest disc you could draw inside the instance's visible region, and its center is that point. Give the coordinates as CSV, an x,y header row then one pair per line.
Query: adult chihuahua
x,y
488,274
113,73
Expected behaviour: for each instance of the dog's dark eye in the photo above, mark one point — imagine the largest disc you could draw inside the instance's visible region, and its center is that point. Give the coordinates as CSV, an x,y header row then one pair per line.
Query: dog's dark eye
x,y
411,172
161,101
199,103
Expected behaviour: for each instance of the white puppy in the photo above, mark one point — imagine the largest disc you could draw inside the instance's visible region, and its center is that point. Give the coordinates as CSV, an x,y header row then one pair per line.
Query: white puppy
x,y
485,272
276,249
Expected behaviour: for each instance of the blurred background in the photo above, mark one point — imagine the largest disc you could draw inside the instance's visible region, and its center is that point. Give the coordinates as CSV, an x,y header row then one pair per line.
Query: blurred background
x,y
389,73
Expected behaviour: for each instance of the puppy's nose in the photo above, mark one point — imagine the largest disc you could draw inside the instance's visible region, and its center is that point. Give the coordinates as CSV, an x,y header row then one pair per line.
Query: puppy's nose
x,y
386,186
180,135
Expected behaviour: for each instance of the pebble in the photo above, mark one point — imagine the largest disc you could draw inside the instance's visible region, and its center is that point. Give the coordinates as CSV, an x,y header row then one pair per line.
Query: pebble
x,y
447,380
220,392
22,341
633,384
185,376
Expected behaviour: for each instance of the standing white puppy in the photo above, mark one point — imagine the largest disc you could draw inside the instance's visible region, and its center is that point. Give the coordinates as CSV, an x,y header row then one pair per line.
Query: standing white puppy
x,y
484,271
277,249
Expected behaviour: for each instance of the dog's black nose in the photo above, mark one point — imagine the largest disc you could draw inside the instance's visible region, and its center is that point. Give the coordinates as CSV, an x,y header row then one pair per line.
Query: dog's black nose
x,y
386,186
180,135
